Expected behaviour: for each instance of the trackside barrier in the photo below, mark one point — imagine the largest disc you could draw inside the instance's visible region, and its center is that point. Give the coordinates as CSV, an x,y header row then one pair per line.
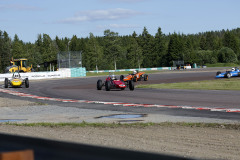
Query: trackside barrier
x,y
56,150
141,69
78,72
61,73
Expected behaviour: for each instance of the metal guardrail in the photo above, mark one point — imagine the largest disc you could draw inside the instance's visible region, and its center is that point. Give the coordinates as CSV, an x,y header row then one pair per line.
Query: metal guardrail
x,y
55,150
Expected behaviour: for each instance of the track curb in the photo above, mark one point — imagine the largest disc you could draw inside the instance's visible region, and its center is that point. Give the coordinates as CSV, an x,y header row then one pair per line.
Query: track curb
x,y
21,94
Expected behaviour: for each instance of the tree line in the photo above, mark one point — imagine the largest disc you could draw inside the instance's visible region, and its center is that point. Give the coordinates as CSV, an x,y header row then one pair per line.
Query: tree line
x,y
128,51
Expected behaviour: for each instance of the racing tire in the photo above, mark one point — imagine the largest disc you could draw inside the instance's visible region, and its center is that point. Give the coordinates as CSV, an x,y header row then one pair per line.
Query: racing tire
x,y
145,77
6,83
228,75
26,83
134,79
107,85
218,73
121,78
131,85
99,84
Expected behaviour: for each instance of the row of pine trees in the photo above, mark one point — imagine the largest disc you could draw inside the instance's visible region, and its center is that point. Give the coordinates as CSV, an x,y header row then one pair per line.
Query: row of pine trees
x,y
129,51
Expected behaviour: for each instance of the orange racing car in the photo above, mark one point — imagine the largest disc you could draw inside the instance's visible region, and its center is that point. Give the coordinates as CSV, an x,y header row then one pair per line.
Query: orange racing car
x,y
135,76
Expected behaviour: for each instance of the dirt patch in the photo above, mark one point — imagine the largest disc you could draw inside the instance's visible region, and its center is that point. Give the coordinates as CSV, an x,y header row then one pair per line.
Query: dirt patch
x,y
7,102
195,142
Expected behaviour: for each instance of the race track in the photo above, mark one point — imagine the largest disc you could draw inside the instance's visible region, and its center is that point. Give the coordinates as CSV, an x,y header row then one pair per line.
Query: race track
x,y
85,89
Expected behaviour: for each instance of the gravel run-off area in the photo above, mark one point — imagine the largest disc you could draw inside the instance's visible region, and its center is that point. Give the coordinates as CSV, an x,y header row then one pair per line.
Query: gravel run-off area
x,y
194,142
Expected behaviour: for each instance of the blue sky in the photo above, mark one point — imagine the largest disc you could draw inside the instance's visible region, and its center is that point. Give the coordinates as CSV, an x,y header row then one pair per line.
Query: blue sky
x,y
65,18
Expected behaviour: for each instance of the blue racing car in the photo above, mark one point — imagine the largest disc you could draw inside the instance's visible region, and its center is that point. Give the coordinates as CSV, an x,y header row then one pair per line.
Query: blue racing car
x,y
235,72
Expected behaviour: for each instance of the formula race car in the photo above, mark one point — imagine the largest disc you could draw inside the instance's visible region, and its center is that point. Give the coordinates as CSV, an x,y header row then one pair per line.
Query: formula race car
x,y
235,72
135,76
16,81
112,83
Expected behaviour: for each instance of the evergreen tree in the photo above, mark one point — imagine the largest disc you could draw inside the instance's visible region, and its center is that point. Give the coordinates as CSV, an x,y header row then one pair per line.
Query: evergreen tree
x,y
176,48
60,44
94,54
203,43
5,50
189,54
134,55
38,57
112,49
159,50
129,51
209,41
46,49
146,41
231,41
18,50
74,44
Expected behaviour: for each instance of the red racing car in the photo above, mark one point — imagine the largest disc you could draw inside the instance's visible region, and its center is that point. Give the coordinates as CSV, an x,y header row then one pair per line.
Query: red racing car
x,y
113,83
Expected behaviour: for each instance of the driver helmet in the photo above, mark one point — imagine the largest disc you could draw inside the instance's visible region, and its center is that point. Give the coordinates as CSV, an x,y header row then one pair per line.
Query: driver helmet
x,y
113,77
15,75
233,69
134,72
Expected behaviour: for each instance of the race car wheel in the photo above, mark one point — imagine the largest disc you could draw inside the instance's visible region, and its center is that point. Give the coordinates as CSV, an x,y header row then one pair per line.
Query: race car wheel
x,y
140,78
218,73
99,84
135,79
6,83
107,85
228,75
26,83
131,85
121,78
145,77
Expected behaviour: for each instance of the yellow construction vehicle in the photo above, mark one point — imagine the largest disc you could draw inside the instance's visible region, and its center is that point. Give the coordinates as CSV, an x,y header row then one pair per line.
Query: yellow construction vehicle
x,y
18,65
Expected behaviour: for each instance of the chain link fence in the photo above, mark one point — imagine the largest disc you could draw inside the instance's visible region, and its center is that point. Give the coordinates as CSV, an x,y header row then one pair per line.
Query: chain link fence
x,y
178,63
71,59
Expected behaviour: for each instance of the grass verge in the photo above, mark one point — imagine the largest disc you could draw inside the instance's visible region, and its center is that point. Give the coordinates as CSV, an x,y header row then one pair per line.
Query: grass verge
x,y
222,65
218,84
132,125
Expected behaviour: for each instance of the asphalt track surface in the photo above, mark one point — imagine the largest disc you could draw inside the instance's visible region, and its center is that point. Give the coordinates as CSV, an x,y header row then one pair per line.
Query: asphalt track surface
x,y
85,89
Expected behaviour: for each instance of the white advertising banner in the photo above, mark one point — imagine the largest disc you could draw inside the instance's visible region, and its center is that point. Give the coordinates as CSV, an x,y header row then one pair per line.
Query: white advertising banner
x,y
63,73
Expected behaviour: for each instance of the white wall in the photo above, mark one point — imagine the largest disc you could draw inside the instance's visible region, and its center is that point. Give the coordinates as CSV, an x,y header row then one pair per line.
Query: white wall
x,y
62,73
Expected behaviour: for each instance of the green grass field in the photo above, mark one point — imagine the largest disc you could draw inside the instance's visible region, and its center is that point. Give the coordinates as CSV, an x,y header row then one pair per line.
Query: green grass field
x,y
218,84
222,65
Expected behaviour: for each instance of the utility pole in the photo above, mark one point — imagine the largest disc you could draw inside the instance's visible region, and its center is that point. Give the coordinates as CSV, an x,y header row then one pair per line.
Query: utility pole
x,y
69,55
